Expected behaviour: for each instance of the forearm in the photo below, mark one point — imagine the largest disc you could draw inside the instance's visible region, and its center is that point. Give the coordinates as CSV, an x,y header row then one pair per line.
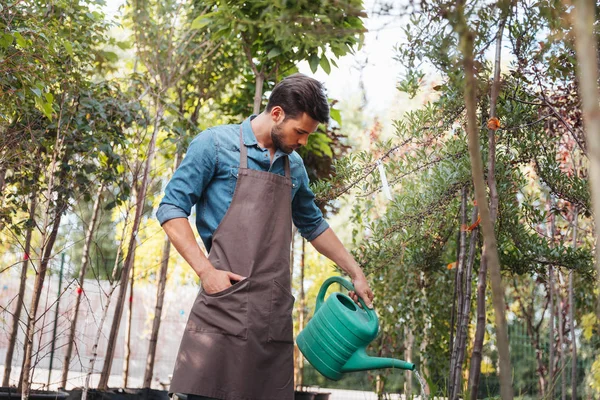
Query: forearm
x,y
182,237
331,247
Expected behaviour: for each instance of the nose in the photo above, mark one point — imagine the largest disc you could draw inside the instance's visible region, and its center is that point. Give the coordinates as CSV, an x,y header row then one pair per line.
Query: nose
x,y
303,140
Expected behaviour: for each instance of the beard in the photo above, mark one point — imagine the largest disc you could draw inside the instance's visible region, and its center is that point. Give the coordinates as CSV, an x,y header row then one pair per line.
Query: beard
x,y
277,138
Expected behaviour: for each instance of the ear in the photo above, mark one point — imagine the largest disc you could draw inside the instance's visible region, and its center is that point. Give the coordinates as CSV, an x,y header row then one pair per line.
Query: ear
x,y
277,114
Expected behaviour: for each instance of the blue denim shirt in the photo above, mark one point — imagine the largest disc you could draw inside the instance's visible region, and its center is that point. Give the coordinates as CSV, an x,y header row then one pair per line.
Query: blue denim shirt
x,y
208,174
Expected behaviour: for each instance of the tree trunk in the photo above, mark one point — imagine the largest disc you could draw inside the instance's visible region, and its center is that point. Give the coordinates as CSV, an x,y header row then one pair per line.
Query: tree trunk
x,y
2,176
463,322
408,356
260,80
112,339
453,318
551,341
301,311
127,351
477,355
572,315
455,364
37,292
84,263
160,297
561,341
467,39
587,72
20,296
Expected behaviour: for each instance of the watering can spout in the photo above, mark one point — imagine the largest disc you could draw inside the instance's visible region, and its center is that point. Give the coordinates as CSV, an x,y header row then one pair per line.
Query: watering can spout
x,y
360,361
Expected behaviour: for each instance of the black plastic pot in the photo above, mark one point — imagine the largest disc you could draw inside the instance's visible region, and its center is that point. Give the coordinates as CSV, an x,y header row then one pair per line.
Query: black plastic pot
x,y
120,394
13,394
322,396
304,395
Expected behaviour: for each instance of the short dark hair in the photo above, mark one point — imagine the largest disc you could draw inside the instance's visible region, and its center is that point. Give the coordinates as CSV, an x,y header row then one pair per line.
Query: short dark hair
x,y
298,94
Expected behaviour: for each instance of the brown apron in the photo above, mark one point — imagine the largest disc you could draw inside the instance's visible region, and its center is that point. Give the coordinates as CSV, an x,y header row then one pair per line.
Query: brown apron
x,y
238,343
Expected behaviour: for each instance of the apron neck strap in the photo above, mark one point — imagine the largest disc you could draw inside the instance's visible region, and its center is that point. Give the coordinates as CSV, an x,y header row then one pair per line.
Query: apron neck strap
x,y
244,156
243,151
287,166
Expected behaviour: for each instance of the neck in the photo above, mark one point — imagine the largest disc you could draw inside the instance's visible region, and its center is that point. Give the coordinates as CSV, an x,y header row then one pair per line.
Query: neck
x,y
261,126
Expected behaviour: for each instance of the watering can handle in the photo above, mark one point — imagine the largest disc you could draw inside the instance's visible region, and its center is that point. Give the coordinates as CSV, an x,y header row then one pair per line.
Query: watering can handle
x,y
348,285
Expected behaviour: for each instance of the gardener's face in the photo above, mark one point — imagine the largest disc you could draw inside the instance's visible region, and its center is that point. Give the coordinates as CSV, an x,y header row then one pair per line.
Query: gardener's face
x,y
288,135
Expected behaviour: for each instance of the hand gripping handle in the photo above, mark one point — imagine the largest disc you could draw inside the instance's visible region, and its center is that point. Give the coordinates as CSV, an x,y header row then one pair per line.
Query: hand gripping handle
x,y
348,285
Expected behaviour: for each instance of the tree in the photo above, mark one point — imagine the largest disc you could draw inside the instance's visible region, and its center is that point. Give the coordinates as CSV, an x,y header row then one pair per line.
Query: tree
x,y
274,36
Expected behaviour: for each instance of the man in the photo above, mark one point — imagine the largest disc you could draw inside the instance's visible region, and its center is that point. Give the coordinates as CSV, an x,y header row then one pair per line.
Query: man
x,y
248,185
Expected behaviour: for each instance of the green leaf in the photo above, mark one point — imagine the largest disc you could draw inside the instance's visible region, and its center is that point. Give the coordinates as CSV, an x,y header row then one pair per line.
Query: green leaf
x,y
324,63
21,40
336,115
6,40
274,52
68,48
313,61
124,45
111,56
202,21
44,107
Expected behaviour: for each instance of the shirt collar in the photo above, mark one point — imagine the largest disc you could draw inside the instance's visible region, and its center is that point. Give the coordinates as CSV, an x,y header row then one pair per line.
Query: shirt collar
x,y
250,138
247,133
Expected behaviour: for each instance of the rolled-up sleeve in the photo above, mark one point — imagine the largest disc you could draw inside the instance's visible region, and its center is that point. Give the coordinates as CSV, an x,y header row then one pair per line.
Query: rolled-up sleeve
x,y
189,180
305,213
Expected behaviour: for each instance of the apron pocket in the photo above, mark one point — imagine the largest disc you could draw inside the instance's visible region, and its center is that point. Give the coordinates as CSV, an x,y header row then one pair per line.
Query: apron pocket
x,y
225,312
280,316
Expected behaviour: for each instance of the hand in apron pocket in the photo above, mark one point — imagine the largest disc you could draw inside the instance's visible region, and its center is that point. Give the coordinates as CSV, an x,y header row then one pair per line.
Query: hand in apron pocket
x,y
280,316
225,312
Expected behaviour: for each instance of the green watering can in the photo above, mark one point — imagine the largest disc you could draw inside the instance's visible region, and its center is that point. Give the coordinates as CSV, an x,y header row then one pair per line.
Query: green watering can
x,y
335,339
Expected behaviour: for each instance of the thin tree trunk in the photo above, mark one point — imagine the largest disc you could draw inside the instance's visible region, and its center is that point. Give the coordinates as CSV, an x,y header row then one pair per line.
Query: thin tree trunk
x,y
551,341
301,310
561,341
2,177
477,353
84,263
20,296
467,40
463,323
453,319
160,297
572,315
260,80
408,356
37,292
587,72
455,365
551,332
112,339
47,244
127,352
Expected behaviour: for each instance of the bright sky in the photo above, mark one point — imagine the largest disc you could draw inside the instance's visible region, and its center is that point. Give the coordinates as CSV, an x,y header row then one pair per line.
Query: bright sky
x,y
380,74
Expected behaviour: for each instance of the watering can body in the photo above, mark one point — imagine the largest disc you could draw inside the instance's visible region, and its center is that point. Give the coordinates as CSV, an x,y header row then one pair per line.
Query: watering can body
x,y
335,339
